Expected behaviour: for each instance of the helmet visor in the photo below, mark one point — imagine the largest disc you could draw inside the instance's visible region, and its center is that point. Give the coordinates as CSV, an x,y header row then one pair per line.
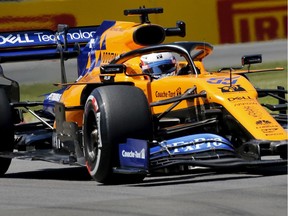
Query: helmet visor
x,y
160,67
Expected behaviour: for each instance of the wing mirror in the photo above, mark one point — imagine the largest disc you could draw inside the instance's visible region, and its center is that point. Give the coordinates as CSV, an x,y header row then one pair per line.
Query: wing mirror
x,y
251,59
112,69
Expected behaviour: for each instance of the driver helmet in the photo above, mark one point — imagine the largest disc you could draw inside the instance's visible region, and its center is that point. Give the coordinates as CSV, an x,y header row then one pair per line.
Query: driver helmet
x,y
158,64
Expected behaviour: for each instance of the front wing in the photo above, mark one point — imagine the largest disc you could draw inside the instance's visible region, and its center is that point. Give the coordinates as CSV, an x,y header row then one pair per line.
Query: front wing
x,y
201,150
142,157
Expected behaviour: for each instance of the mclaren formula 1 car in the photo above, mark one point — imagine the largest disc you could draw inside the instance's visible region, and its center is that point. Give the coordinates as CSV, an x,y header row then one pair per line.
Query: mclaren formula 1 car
x,y
126,117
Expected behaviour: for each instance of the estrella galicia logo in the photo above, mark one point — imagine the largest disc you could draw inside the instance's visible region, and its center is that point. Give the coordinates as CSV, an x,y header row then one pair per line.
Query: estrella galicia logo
x,y
234,88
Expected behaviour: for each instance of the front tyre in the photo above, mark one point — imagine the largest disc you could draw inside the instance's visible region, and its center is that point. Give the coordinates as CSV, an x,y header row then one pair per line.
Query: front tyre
x,y
111,114
6,131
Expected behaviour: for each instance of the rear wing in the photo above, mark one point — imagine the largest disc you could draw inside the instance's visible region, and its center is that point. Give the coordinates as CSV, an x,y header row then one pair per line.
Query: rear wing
x,y
44,44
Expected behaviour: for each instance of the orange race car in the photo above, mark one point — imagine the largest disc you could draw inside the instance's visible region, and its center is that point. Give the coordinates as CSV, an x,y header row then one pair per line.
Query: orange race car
x,y
139,106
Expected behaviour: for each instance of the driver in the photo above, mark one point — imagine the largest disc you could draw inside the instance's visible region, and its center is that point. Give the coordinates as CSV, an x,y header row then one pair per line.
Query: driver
x,y
158,65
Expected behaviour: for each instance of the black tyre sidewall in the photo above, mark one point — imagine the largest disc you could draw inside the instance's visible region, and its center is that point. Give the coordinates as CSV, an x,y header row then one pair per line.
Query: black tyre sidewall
x,y
6,131
124,112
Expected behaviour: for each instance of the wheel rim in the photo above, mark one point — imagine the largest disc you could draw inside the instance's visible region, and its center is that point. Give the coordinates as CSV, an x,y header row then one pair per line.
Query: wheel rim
x,y
92,137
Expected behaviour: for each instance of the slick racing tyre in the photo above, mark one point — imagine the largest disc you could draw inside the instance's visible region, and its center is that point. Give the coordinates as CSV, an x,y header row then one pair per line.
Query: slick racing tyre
x,y
6,131
111,114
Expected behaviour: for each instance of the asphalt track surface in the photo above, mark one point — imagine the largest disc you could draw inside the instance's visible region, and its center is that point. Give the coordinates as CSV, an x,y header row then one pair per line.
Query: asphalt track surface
x,y
37,188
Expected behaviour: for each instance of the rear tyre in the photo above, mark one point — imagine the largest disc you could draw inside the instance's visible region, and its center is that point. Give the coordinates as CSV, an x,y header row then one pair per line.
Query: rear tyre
x,y
111,114
6,131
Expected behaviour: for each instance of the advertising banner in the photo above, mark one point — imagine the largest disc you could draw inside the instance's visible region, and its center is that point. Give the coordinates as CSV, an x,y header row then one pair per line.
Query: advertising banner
x,y
213,21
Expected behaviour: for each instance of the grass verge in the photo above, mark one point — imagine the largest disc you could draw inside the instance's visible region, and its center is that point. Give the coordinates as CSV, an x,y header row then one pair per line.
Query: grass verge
x,y
272,79
35,92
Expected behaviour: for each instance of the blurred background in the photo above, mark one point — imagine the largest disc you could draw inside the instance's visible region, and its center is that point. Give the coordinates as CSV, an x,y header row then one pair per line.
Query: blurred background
x,y
213,21
233,27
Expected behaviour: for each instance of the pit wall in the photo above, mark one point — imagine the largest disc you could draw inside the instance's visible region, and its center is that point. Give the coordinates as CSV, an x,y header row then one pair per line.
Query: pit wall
x,y
214,21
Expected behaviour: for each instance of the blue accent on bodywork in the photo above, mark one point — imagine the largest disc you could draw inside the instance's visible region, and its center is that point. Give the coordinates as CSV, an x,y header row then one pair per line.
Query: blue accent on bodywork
x,y
51,98
223,80
26,38
41,44
103,46
91,47
134,153
190,144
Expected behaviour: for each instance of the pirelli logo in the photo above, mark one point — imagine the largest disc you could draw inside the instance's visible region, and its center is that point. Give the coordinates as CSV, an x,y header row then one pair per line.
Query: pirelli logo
x,y
252,20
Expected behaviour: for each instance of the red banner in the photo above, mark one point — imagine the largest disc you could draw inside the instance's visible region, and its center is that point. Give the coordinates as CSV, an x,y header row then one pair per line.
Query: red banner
x,y
251,20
